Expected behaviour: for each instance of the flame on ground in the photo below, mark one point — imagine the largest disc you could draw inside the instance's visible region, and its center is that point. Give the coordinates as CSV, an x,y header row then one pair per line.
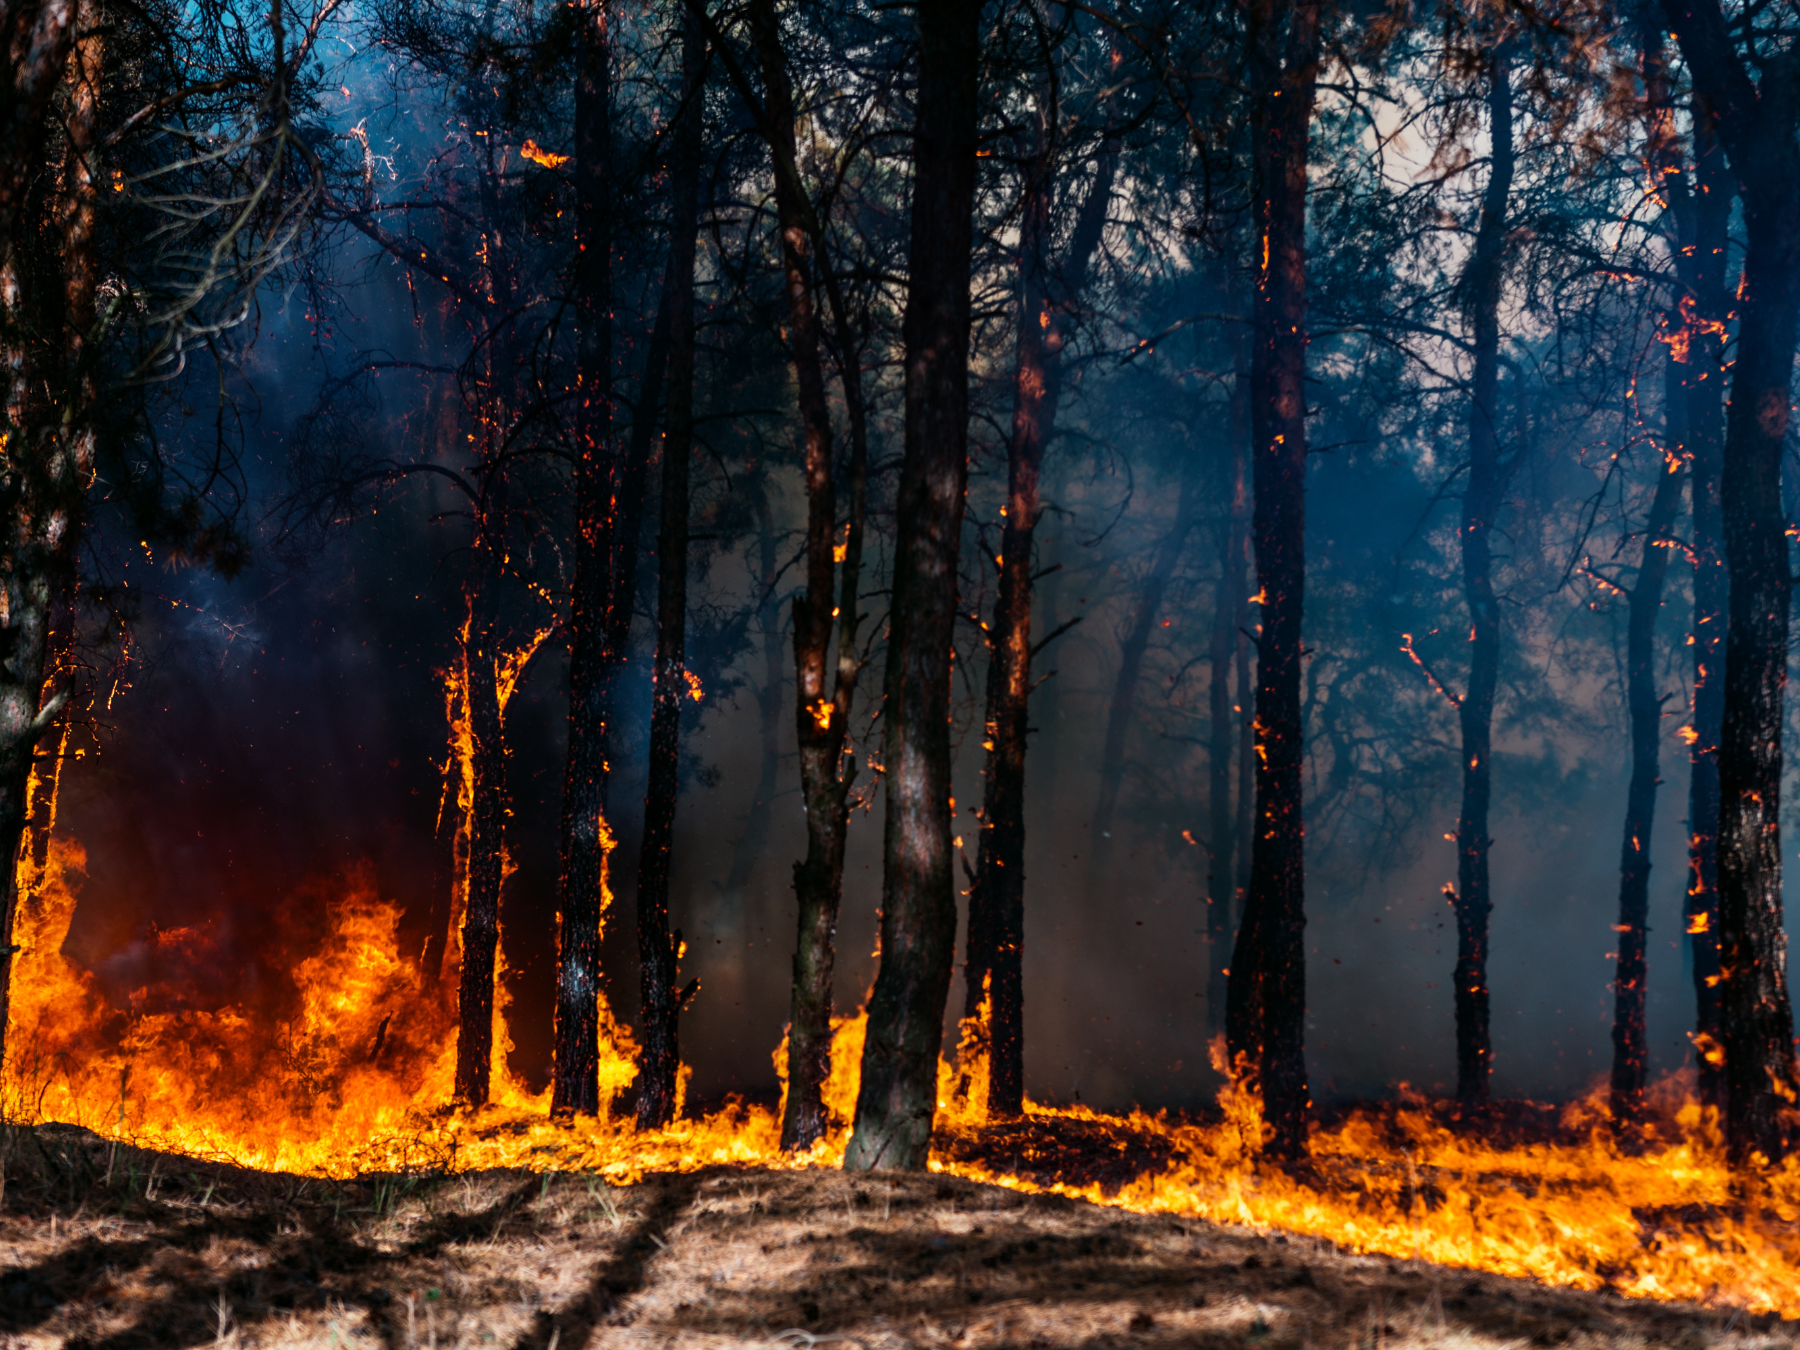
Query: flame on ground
x,y
355,1077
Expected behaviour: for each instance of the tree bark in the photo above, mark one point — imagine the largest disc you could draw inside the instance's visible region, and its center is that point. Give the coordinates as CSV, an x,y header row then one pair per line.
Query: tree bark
x,y
821,703
659,953
996,942
1225,725
898,1093
1266,1001
1757,123
586,838
1472,900
1703,218
49,444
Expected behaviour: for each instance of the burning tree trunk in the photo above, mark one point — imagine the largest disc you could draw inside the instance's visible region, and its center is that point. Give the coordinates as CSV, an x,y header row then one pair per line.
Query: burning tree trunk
x,y
995,974
1702,218
1227,641
1757,124
484,869
1266,1001
48,448
586,838
898,1091
821,717
659,953
1132,647
1481,502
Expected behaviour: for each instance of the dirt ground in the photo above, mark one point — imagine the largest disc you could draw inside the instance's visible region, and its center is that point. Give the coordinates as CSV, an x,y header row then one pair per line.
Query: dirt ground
x,y
115,1247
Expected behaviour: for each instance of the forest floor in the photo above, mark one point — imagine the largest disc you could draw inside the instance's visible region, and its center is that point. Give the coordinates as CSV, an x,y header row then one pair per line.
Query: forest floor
x,y
104,1246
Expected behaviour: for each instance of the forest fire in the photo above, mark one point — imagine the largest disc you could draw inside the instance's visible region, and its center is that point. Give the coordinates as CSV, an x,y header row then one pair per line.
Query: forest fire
x,y
358,1080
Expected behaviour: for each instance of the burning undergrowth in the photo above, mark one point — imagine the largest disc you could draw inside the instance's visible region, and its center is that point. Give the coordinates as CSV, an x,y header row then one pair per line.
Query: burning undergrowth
x,y
346,1076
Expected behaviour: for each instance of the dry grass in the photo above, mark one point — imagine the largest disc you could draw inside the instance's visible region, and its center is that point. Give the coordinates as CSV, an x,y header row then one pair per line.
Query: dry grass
x,y
116,1247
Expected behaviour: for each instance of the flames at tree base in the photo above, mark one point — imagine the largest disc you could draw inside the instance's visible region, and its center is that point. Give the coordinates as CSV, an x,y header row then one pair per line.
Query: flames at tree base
x,y
352,1081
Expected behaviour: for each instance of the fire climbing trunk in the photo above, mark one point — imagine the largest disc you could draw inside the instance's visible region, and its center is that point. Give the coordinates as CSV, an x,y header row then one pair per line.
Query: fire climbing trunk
x,y
819,730
997,895
898,1093
1266,1001
586,839
484,861
659,952
1703,218
1757,125
1481,501
48,444
1228,607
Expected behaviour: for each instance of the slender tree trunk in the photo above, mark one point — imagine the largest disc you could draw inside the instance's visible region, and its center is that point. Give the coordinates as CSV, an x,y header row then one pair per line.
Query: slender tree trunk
x,y
659,953
1630,1041
1664,158
822,706
898,1092
1757,124
1704,218
1268,967
1225,726
995,968
485,866
586,837
1481,501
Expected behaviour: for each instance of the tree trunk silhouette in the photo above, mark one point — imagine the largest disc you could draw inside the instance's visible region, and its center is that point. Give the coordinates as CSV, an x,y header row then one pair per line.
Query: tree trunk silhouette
x,y
995,969
1472,900
1224,724
484,866
1703,217
821,713
1757,123
1630,1043
586,837
1266,1000
1134,642
659,952
898,1093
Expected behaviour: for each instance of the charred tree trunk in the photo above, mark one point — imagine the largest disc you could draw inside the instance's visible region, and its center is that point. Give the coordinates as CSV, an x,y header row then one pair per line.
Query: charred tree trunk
x,y
1132,646
1471,899
1757,123
49,448
659,953
1702,220
586,838
1630,1043
822,706
1266,1001
995,968
1225,725
485,865
898,1093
